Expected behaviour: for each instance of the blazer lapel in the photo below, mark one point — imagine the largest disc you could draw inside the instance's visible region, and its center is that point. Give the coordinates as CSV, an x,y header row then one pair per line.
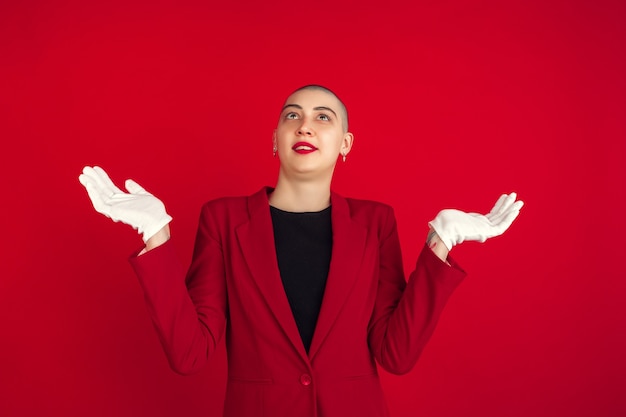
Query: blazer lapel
x,y
256,239
348,247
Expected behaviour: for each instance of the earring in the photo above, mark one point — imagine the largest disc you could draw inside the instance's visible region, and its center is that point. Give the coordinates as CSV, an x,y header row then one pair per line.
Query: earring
x,y
274,150
343,154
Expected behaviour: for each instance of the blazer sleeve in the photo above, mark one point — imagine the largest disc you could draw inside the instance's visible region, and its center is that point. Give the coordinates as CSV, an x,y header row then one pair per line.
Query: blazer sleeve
x,y
405,314
188,310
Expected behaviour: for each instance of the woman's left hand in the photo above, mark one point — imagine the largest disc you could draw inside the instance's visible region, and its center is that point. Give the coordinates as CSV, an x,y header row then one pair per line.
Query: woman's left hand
x,y
455,226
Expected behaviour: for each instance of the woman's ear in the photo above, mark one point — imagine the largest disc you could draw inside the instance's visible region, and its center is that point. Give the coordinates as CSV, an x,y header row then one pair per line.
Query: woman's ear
x,y
346,144
274,143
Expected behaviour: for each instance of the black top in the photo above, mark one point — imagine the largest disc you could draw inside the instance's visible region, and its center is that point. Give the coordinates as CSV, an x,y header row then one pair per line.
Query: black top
x,y
304,244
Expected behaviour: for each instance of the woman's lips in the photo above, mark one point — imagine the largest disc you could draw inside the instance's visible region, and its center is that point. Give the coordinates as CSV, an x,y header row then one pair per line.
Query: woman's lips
x,y
303,148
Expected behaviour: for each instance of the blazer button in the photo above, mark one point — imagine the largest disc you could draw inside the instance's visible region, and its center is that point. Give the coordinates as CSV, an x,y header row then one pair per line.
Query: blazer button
x,y
305,379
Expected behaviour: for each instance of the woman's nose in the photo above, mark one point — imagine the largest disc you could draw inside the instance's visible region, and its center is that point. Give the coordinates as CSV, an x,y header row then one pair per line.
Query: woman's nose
x,y
304,128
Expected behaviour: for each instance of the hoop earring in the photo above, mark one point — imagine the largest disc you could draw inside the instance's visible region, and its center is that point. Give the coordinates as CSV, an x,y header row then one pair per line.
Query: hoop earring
x,y
275,150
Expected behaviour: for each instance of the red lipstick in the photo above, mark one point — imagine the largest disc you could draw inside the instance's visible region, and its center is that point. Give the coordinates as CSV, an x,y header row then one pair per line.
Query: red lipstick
x,y
303,148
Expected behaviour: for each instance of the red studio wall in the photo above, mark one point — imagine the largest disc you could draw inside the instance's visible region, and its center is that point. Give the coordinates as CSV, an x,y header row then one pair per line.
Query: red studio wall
x,y
451,103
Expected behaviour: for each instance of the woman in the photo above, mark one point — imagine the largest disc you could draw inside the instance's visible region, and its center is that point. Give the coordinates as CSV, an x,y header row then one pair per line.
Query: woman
x,y
307,285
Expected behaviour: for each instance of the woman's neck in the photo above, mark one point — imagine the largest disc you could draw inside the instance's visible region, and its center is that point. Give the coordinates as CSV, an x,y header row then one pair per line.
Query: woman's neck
x,y
300,196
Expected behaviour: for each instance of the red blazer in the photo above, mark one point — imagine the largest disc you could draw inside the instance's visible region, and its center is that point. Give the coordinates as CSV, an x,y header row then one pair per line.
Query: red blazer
x,y
369,313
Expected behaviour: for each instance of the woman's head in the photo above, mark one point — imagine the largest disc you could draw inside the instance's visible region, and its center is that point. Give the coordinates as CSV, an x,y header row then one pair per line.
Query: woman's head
x,y
312,131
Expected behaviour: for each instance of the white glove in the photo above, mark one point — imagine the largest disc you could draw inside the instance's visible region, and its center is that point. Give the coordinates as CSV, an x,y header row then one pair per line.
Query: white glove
x,y
137,208
455,226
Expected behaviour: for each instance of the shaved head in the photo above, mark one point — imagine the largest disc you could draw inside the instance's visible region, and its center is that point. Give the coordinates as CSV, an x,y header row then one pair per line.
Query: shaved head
x,y
342,107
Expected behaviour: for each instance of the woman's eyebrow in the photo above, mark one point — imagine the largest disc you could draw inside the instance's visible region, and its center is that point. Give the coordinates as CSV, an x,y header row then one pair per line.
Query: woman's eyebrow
x,y
297,106
325,108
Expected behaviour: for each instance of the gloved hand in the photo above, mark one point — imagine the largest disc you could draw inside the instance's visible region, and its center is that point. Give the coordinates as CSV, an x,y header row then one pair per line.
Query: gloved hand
x,y
137,208
455,226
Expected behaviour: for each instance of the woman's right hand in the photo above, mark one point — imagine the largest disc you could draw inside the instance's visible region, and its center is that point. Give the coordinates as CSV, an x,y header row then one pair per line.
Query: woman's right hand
x,y
137,208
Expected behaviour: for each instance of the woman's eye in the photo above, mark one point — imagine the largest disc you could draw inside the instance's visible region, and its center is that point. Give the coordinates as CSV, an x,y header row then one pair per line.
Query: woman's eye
x,y
291,115
324,117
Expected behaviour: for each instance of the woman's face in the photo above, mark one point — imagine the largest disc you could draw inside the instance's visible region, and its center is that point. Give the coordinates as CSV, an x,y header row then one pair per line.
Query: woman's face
x,y
310,134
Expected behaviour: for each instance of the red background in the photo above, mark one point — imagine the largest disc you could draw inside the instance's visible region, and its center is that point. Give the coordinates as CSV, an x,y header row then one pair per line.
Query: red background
x,y
451,103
